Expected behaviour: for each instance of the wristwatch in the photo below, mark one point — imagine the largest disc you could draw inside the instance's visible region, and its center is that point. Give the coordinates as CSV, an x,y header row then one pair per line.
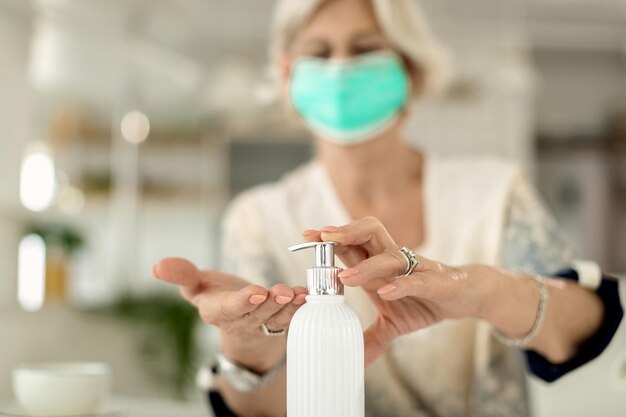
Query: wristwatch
x,y
241,378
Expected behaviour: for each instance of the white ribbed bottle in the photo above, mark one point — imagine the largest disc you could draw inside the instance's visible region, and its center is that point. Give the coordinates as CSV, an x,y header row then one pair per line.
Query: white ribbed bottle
x,y
325,375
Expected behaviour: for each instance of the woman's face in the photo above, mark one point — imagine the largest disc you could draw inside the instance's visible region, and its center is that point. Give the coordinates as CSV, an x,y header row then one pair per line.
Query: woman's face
x,y
340,29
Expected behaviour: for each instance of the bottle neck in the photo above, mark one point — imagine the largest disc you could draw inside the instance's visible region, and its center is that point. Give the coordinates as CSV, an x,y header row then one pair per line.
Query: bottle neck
x,y
322,280
325,299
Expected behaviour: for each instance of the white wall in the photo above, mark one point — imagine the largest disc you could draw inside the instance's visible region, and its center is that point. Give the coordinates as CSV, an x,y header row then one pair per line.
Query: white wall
x,y
491,110
496,117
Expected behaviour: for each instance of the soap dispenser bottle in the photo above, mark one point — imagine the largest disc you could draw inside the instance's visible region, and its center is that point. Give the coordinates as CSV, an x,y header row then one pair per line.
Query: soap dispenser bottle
x,y
325,369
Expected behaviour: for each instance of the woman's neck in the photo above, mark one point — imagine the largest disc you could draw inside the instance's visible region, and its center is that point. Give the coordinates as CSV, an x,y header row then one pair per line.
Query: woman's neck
x,y
381,168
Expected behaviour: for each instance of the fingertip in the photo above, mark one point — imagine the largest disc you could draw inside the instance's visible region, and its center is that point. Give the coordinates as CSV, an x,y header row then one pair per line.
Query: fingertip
x,y
348,272
255,290
257,299
282,290
387,289
338,236
174,269
311,235
282,299
300,290
390,297
349,282
299,299
244,300
256,294
282,294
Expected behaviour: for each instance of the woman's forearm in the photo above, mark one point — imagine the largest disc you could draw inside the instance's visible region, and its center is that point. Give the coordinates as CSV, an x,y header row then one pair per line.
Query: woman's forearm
x,y
511,301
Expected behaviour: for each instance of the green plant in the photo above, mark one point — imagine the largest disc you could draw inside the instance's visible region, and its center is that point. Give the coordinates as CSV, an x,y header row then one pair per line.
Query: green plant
x,y
64,237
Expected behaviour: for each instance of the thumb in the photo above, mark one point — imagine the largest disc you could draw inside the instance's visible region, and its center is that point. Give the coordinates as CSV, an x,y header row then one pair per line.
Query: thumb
x,y
376,338
177,271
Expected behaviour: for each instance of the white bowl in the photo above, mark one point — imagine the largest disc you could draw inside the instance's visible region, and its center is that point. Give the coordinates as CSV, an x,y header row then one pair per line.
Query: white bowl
x,y
61,389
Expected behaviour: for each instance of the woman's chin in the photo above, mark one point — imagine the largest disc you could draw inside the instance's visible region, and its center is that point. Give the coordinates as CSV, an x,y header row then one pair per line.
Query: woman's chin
x,y
374,140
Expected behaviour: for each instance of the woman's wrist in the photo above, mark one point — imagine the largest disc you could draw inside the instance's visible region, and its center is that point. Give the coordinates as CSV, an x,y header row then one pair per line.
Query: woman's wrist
x,y
508,301
259,354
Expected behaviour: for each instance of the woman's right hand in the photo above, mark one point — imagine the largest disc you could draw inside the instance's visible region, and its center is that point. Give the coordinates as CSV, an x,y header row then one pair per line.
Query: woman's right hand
x,y
238,309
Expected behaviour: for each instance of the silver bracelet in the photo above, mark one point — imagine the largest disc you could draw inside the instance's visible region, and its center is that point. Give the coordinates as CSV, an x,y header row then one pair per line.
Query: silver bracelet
x,y
242,378
541,312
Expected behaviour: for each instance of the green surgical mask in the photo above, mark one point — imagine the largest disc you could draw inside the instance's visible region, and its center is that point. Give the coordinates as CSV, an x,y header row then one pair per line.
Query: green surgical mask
x,y
349,101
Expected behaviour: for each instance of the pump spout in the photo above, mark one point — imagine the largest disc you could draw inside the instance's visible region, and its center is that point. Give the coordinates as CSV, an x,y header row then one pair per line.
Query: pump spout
x,y
322,278
324,252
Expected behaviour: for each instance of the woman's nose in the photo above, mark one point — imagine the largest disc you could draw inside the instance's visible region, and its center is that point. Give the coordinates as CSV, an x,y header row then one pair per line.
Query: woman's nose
x,y
341,52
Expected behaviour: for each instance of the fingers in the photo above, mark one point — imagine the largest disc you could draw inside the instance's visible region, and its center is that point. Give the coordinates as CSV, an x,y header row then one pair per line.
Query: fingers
x,y
193,282
215,307
244,301
433,281
252,306
224,299
278,297
357,240
417,284
312,235
387,265
282,318
349,255
177,271
367,231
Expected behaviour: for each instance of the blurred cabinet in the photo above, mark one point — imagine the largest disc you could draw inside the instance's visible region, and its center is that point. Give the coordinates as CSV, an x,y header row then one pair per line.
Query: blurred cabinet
x,y
584,187
257,160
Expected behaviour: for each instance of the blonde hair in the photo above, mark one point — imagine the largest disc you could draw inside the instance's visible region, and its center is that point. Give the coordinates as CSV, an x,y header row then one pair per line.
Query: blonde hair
x,y
402,22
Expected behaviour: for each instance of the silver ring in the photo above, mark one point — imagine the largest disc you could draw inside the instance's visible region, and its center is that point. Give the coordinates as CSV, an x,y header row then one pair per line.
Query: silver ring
x,y
270,332
411,260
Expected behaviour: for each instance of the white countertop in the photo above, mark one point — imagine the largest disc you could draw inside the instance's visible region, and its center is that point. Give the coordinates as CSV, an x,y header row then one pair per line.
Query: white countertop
x,y
144,407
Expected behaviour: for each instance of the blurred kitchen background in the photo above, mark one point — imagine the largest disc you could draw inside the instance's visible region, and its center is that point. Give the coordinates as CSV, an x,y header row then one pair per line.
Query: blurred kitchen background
x,y
127,125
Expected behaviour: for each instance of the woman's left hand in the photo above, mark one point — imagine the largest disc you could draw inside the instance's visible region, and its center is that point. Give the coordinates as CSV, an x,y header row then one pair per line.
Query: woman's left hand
x,y
433,292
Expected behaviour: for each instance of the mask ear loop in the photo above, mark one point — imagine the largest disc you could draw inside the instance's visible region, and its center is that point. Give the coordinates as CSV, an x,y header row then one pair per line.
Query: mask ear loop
x,y
412,71
411,98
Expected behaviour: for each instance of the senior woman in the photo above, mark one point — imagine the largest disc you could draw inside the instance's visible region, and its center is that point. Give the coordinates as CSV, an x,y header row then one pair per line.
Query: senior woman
x,y
349,69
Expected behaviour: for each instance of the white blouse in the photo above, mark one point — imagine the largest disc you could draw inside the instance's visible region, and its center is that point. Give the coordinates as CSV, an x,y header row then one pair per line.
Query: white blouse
x,y
476,210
